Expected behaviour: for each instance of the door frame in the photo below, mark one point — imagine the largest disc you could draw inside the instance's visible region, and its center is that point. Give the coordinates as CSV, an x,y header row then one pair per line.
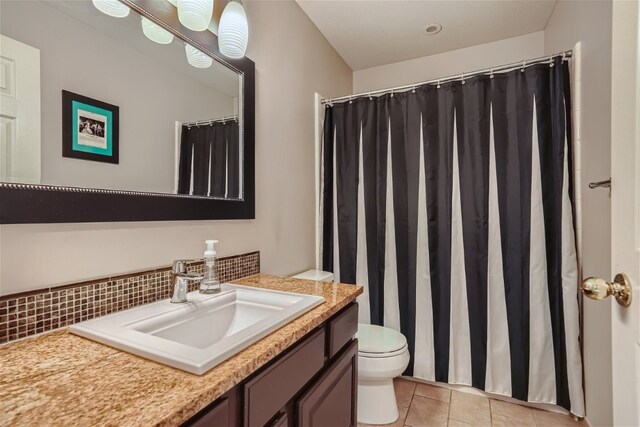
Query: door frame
x,y
625,215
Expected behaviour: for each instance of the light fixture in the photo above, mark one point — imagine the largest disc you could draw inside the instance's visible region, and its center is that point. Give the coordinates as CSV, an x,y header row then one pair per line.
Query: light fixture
x,y
112,8
155,32
233,31
195,14
197,58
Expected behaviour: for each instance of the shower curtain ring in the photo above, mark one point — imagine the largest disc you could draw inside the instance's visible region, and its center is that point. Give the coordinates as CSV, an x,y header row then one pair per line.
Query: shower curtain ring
x,y
463,81
350,100
524,64
491,74
392,94
414,90
438,87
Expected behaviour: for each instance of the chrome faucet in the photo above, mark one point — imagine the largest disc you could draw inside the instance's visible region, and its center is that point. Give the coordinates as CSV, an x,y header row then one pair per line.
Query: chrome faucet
x,y
180,280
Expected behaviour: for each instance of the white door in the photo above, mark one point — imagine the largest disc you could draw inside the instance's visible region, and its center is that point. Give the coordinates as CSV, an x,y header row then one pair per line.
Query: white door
x,y
625,209
19,112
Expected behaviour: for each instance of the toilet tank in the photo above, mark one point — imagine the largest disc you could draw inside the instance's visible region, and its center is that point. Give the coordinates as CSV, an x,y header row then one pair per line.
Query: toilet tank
x,y
317,275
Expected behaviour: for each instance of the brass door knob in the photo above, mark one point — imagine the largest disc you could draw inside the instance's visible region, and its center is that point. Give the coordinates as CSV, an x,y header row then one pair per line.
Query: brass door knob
x,y
598,289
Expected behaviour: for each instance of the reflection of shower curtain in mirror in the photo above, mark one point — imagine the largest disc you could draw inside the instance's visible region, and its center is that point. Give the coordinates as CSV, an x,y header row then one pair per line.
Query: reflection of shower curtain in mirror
x,y
209,160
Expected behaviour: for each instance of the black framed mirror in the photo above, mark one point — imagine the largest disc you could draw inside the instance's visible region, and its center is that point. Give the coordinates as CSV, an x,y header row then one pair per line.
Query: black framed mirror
x,y
72,175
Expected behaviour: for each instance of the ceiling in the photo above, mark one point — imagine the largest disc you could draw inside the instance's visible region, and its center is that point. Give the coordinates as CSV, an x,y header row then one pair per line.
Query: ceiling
x,y
369,33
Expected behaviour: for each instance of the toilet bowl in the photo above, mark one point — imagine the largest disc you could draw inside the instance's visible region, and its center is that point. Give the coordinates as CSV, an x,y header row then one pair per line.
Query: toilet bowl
x,y
382,355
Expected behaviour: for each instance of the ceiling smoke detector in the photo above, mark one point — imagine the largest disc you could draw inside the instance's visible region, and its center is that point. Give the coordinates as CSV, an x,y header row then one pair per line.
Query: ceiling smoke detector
x,y
432,29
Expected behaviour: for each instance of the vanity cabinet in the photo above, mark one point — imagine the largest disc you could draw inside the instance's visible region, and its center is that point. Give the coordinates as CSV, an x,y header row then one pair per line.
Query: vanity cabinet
x,y
313,383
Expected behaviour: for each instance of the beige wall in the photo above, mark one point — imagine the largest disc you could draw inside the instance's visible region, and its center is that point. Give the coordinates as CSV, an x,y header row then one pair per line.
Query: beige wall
x,y
448,63
293,60
590,23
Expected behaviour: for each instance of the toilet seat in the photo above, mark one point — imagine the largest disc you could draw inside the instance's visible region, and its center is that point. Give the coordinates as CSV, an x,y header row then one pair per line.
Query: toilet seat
x,y
378,341
382,355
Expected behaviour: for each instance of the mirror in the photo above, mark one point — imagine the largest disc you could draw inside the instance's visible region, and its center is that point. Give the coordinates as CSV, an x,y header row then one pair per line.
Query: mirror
x,y
93,94
90,101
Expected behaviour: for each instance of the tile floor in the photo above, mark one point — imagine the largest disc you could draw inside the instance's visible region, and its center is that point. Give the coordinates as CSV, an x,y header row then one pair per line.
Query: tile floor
x,y
423,405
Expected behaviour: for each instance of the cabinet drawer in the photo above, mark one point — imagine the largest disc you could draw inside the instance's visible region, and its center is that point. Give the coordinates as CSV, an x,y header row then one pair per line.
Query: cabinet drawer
x,y
267,393
342,328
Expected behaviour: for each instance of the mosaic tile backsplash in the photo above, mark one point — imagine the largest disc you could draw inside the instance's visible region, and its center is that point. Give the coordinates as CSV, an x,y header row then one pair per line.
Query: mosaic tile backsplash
x,y
34,312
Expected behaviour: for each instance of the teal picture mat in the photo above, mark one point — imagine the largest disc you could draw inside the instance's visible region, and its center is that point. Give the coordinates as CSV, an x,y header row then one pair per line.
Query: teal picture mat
x,y
75,106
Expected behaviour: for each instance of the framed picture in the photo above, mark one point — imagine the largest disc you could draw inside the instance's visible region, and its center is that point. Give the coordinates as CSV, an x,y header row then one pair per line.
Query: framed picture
x,y
89,128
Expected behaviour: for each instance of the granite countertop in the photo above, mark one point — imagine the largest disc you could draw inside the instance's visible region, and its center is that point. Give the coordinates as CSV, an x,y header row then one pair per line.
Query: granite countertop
x,y
62,379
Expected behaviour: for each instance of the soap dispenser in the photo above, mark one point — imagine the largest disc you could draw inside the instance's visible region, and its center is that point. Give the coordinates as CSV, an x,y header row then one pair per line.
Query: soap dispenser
x,y
210,283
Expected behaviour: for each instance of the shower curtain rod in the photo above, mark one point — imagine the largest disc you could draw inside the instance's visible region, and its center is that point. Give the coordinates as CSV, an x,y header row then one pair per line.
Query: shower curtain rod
x,y
210,121
548,59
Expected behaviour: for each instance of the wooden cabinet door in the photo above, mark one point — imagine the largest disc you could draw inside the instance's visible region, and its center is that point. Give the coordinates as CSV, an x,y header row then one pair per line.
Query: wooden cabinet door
x,y
217,416
332,399
281,421
223,412
270,391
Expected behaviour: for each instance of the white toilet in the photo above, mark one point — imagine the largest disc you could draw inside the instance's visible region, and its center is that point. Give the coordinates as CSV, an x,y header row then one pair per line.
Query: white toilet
x,y
382,355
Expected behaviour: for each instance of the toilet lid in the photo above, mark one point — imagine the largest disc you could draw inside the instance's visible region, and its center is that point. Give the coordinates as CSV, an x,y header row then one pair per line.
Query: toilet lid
x,y
378,339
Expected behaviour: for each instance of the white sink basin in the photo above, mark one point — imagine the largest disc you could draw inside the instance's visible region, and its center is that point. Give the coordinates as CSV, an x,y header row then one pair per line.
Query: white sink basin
x,y
197,335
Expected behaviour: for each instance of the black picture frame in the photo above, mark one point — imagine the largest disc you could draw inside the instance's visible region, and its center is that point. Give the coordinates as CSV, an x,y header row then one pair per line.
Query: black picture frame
x,y
32,204
71,134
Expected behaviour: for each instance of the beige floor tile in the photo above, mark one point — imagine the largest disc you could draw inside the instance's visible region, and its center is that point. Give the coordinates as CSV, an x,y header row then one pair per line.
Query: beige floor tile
x,y
553,419
404,391
398,423
425,412
470,408
456,423
434,392
521,413
502,421
403,416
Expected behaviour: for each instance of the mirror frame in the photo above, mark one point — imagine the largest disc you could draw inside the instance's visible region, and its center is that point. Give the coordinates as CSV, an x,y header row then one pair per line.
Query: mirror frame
x,y
35,203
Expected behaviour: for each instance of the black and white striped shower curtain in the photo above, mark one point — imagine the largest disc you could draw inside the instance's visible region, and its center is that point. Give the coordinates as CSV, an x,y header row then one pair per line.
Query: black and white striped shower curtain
x,y
452,206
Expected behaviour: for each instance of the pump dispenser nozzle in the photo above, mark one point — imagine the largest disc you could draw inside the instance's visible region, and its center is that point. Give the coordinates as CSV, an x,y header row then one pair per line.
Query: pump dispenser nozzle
x,y
211,250
210,283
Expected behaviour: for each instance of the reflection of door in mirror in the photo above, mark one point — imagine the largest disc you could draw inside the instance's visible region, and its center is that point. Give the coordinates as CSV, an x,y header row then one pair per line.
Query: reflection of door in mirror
x,y
19,112
113,61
